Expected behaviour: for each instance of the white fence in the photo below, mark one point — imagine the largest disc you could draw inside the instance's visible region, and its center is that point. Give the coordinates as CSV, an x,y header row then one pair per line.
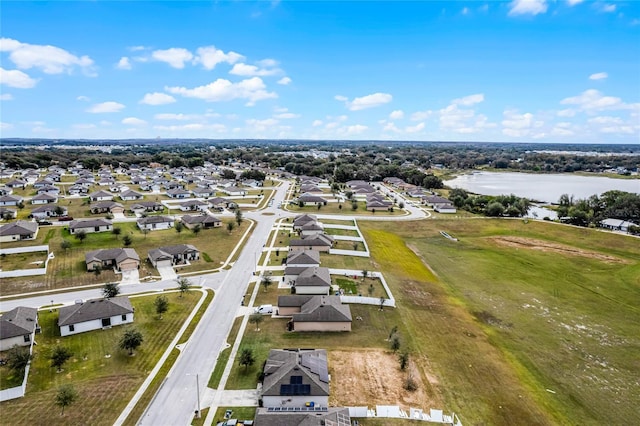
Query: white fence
x,y
26,272
363,300
395,412
18,391
349,252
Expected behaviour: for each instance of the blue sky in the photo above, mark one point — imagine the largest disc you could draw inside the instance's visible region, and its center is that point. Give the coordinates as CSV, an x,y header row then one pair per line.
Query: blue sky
x,y
522,71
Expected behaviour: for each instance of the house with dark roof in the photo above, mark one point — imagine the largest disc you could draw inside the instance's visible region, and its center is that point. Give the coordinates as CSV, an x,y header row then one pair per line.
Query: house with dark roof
x,y
193,205
315,313
7,213
146,207
106,207
101,196
316,200
122,259
315,280
49,210
178,193
308,416
17,327
16,183
49,189
89,226
130,195
154,223
204,220
303,219
298,261
318,242
295,378
44,199
94,314
10,200
180,254
18,231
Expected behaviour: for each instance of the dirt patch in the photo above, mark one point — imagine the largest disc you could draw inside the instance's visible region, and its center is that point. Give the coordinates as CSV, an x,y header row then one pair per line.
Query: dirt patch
x,y
372,377
529,243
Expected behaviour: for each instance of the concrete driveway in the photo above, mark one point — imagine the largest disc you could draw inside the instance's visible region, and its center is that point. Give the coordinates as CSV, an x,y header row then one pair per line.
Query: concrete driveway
x,y
167,273
130,277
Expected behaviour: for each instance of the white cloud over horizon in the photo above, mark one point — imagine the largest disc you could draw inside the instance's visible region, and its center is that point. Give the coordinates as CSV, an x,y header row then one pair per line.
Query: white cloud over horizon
x,y
598,76
221,90
157,98
175,56
49,59
106,107
17,79
365,102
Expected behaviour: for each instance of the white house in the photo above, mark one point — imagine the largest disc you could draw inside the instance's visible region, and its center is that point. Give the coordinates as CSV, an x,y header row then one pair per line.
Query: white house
x,y
90,225
155,223
101,196
18,231
17,327
95,315
44,199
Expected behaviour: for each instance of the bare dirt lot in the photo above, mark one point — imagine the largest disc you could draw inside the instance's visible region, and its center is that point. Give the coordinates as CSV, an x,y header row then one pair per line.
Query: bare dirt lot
x,y
372,377
519,242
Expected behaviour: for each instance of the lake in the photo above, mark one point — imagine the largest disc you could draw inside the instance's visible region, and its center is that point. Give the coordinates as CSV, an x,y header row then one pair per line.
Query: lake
x,y
541,187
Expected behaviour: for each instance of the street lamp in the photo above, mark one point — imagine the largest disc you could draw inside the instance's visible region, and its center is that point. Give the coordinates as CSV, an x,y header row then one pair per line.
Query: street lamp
x,y
197,394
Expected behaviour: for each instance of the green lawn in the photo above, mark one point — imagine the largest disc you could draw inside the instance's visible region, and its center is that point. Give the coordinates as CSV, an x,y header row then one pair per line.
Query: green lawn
x,y
349,245
360,286
500,324
31,260
344,232
348,222
348,262
68,269
214,380
104,376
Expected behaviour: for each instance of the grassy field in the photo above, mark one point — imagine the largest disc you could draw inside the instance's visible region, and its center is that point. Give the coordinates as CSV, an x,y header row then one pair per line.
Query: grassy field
x,y
522,322
369,287
104,376
348,262
32,260
334,208
68,269
345,232
349,245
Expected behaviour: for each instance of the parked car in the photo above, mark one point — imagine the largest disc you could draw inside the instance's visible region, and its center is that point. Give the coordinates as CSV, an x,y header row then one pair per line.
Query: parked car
x,y
65,218
44,222
264,309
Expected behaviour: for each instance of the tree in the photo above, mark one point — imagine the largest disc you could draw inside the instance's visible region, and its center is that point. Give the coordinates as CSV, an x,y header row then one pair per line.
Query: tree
x,y
162,305
230,226
356,245
395,343
364,274
110,290
495,209
393,331
319,206
116,231
66,396
18,358
256,319
354,205
131,340
266,282
59,356
127,240
80,236
183,285
179,227
381,303
97,270
403,359
145,231
58,211
371,290
65,245
246,358
239,218
196,229
401,205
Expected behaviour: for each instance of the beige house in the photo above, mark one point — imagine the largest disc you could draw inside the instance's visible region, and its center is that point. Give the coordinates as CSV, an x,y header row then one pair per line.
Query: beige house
x,y
315,280
320,242
123,259
315,313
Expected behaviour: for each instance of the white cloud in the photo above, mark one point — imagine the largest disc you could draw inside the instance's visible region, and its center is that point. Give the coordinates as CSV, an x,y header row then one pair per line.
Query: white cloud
x,y
519,125
6,97
356,129
605,120
396,115
210,56
136,48
286,115
527,7
5,126
465,11
261,125
123,64
284,81
176,56
598,76
105,107
133,121
608,8
17,79
268,63
421,115
317,123
49,59
252,90
593,100
566,113
574,2
390,127
414,129
469,100
83,98
364,102
252,70
157,99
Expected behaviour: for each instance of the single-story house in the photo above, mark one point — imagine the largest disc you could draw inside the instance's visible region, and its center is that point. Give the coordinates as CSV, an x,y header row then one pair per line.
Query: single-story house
x,y
204,220
106,207
101,196
431,200
146,206
303,219
203,192
311,228
444,208
310,188
315,313
18,231
315,280
295,377
94,314
123,259
130,195
17,327
16,183
49,189
90,225
154,223
77,190
219,203
192,205
173,255
6,213
375,204
319,242
298,261
10,200
44,199
178,193
234,190
312,416
617,224
42,183
312,199
49,210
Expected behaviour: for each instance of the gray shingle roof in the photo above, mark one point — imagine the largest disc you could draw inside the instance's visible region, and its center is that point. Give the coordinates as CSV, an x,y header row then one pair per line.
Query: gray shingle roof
x,y
307,257
338,415
89,223
323,309
18,322
314,277
284,363
153,219
94,309
117,254
170,251
203,218
20,227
